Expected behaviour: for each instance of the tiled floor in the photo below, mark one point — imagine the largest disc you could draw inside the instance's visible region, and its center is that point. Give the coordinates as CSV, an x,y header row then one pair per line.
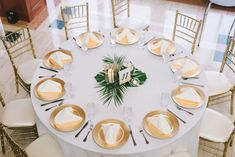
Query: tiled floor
x,y
160,14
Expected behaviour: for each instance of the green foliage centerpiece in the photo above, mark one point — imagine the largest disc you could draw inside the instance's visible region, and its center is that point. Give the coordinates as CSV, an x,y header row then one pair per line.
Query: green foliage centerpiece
x,y
117,76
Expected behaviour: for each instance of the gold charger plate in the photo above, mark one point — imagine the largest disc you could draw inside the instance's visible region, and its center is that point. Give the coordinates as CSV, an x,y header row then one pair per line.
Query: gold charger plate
x,y
49,96
154,132
188,74
171,48
122,138
125,40
77,110
49,64
91,44
188,104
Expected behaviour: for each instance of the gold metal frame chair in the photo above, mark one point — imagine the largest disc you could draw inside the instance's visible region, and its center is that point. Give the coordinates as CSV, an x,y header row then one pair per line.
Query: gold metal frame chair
x,y
16,48
186,28
205,145
17,150
120,7
78,12
18,132
229,61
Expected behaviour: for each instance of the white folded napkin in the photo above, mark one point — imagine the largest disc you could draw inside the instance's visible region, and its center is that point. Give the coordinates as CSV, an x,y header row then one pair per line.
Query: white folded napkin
x,y
60,58
189,94
162,45
111,132
93,37
50,86
161,123
188,65
126,33
66,116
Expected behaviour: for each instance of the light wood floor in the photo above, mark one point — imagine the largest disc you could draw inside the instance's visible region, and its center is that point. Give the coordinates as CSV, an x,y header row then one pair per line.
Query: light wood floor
x,y
160,13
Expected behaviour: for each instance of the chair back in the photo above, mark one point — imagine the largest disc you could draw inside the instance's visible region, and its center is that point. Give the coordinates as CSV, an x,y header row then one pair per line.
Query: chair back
x,y
120,7
186,28
18,43
2,100
229,56
75,17
18,151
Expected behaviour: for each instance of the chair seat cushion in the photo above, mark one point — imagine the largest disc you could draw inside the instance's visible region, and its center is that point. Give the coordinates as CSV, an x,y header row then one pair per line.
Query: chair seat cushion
x,y
26,70
181,154
133,23
18,113
218,83
215,126
44,146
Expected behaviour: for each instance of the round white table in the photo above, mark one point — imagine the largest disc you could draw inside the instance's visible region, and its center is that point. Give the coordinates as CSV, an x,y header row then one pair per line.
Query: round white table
x,y
142,99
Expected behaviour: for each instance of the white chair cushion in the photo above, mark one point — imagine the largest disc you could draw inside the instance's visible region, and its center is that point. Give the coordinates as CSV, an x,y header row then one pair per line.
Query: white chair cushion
x,y
18,113
133,23
26,70
44,146
218,83
215,126
181,154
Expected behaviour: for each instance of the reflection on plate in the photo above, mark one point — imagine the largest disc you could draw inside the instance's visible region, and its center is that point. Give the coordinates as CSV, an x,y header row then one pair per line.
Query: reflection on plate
x,y
154,131
126,36
157,44
50,95
188,96
53,63
68,125
94,39
122,136
191,67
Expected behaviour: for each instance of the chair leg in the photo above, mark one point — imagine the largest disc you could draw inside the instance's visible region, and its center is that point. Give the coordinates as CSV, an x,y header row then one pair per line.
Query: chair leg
x,y
2,141
17,85
225,153
232,102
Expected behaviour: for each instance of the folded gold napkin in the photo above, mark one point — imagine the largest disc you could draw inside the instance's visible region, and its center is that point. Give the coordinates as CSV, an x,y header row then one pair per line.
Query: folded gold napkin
x,y
161,123
188,96
111,132
66,118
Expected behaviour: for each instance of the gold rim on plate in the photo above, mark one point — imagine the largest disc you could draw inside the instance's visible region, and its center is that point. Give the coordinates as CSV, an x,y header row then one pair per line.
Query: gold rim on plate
x,y
49,64
122,138
187,74
77,110
49,96
155,132
126,42
91,44
186,103
171,48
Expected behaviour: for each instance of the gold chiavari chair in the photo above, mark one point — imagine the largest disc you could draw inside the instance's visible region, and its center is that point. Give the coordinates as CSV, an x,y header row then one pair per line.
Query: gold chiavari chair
x,y
16,48
186,28
44,146
75,17
122,18
18,116
216,133
220,86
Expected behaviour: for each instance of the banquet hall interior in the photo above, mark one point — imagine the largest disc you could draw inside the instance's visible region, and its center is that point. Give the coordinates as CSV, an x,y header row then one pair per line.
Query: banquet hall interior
x,y
117,78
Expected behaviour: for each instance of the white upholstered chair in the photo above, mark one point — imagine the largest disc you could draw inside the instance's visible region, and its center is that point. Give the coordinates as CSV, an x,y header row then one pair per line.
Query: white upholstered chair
x,y
218,83
18,116
122,18
216,128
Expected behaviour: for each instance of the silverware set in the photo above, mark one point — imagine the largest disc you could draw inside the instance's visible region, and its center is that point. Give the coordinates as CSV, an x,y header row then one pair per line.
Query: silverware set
x,y
47,109
89,131
84,126
177,116
142,132
132,136
49,69
47,76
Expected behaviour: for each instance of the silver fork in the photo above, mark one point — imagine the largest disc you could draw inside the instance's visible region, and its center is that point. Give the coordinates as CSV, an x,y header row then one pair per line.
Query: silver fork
x,y
142,132
90,129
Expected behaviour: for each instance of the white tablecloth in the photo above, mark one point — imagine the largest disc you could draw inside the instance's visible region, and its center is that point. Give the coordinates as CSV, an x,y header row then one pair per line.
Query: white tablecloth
x,y
143,99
